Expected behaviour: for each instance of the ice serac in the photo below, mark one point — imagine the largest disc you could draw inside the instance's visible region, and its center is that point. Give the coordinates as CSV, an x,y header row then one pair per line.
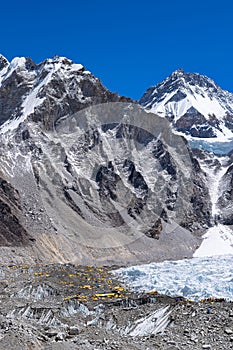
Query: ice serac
x,y
99,179
194,104
194,279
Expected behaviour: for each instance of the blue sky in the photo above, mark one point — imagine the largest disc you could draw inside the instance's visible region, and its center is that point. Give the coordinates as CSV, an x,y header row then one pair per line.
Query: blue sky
x,y
129,45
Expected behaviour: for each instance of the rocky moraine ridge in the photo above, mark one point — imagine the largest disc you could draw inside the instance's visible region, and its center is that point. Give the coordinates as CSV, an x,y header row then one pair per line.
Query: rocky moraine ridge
x,y
56,307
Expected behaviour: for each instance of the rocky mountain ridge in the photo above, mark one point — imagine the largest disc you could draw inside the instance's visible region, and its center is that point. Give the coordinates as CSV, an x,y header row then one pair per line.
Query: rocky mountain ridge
x,y
58,85
88,166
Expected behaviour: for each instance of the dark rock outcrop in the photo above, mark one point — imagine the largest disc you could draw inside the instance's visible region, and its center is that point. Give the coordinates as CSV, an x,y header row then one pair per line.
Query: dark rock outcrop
x,y
12,232
226,198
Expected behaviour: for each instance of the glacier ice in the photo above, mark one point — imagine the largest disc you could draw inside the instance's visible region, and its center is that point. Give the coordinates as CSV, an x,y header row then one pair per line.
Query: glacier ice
x,y
194,279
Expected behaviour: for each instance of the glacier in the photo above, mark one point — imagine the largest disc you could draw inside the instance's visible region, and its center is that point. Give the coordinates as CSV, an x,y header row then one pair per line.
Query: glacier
x,y
220,148
194,279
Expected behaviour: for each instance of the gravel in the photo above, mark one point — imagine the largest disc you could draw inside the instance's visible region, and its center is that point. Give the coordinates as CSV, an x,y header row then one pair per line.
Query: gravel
x,y
37,311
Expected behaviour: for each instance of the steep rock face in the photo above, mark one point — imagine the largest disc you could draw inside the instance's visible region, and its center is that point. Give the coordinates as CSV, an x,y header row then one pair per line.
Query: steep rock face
x,y
218,170
200,199
12,232
194,104
97,181
225,199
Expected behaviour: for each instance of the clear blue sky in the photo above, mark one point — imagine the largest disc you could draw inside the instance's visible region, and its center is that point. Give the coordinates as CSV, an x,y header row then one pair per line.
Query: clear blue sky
x,y
129,45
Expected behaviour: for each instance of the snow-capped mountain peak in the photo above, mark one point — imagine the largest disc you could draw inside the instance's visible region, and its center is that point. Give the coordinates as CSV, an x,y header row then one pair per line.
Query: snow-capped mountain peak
x,y
35,86
61,63
193,103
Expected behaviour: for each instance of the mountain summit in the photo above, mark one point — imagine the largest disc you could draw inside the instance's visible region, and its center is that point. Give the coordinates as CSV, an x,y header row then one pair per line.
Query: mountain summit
x,y
193,103
32,90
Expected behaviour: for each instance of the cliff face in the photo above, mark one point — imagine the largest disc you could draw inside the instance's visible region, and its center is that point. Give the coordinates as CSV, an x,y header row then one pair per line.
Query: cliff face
x,y
12,232
225,199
